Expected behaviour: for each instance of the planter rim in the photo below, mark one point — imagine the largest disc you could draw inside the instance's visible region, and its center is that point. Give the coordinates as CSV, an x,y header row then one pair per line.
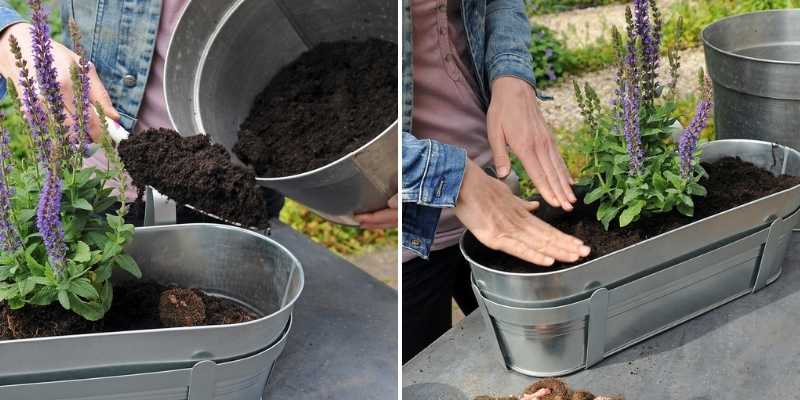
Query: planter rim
x,y
708,44
287,305
545,272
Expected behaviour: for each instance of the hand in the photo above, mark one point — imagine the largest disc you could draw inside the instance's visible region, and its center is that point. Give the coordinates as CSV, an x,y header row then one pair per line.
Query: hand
x,y
536,396
63,60
381,219
514,119
504,222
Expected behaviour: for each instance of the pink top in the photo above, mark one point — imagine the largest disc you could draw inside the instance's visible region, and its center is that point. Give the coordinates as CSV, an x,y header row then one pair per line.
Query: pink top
x,y
153,111
447,106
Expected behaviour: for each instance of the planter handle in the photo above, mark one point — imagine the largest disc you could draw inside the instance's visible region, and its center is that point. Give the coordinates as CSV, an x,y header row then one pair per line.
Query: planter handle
x,y
202,381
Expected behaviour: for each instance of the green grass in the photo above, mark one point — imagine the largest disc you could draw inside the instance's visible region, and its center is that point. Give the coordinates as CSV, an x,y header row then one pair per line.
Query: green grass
x,y
342,240
541,7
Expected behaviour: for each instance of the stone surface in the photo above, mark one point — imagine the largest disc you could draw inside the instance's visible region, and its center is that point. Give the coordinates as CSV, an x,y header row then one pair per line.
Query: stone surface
x,y
343,343
746,349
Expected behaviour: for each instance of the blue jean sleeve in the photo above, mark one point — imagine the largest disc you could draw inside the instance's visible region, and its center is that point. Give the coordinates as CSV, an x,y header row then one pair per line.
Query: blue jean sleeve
x,y
432,176
508,39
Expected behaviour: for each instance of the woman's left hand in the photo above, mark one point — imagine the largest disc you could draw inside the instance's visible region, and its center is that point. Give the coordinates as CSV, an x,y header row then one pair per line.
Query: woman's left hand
x,y
381,219
514,120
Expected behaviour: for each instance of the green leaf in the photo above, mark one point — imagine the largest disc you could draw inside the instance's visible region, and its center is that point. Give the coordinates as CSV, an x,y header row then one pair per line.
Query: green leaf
x,y
63,298
685,210
23,216
44,296
81,287
128,264
110,250
91,311
630,195
114,221
82,204
25,287
103,272
595,194
82,253
631,213
686,200
675,180
8,291
697,190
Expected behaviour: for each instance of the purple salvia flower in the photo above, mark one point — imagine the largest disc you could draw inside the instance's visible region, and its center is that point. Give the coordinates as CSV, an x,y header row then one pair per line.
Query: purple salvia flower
x,y
649,49
46,73
690,135
81,101
48,221
34,113
551,75
631,63
9,237
633,139
548,53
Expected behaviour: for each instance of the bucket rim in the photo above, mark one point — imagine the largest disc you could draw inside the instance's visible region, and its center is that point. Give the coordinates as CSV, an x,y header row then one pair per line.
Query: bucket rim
x,y
708,44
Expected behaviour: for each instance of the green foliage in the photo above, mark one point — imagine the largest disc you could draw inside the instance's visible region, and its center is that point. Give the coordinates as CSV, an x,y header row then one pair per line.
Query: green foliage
x,y
546,51
54,20
342,240
94,238
540,7
657,188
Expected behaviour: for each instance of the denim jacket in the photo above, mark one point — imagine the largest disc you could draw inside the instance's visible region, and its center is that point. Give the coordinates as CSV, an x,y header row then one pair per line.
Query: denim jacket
x,y
498,34
119,36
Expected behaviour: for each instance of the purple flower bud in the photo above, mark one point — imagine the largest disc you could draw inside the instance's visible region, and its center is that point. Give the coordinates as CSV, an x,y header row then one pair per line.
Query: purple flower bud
x,y
548,53
9,237
48,221
46,73
688,140
630,115
34,113
81,102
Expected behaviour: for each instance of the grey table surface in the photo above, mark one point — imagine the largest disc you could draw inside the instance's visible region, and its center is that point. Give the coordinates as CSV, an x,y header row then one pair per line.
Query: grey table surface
x,y
746,349
343,343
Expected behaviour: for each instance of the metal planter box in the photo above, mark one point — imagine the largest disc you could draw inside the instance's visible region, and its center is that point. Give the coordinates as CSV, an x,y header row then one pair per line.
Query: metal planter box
x,y
242,379
222,260
554,323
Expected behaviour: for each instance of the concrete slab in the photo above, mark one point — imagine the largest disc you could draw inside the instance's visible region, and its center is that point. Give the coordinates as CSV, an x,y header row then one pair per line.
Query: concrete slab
x,y
343,343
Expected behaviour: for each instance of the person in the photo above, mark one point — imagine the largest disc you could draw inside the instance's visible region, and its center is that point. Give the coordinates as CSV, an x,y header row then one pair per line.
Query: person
x,y
127,44
469,94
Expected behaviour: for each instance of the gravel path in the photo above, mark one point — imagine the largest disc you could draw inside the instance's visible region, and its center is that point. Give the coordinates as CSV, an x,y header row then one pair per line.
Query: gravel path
x,y
583,27
563,111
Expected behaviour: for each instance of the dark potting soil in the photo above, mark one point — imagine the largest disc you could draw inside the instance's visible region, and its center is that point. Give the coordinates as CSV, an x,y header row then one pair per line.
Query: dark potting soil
x,y
329,102
191,170
732,182
135,306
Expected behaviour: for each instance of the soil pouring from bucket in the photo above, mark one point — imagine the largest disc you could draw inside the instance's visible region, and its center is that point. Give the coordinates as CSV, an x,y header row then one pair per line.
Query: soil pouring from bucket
x,y
732,182
191,170
137,305
332,100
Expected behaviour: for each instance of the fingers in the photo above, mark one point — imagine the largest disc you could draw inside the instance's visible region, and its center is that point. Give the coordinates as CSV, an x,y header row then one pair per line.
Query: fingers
x,y
98,95
382,219
552,173
497,141
392,203
564,177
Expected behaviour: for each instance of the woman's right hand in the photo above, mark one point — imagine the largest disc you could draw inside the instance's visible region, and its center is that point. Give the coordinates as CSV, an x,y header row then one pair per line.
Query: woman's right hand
x,y
63,59
504,222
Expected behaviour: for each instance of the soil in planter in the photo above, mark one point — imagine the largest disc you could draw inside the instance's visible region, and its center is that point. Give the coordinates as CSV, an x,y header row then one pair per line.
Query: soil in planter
x,y
136,306
329,102
732,182
191,170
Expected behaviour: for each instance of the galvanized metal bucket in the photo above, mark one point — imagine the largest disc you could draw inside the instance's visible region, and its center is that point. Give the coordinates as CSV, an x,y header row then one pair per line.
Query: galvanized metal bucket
x,y
242,379
223,260
552,323
224,53
754,62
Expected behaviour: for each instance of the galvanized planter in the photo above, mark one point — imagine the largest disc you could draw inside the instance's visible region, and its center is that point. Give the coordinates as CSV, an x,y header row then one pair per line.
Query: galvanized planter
x,y
554,323
754,61
242,379
222,260
210,86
